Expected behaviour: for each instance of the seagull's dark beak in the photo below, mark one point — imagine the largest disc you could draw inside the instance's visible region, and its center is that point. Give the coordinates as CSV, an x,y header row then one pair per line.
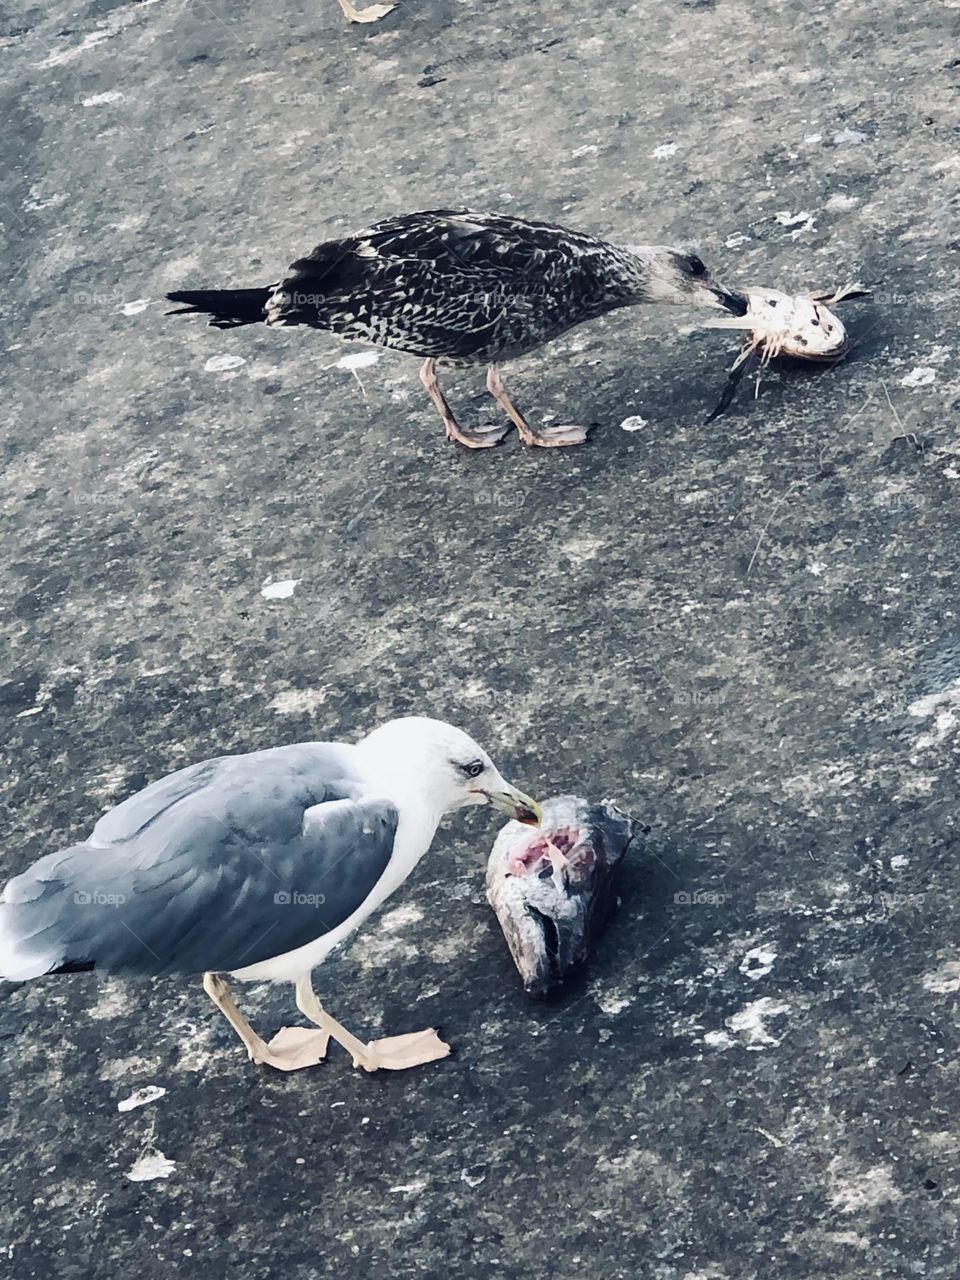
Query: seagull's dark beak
x,y
516,804
717,296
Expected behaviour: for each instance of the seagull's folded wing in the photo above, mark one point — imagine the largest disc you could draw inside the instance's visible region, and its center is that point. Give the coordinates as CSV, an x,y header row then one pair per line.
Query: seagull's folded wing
x,y
216,867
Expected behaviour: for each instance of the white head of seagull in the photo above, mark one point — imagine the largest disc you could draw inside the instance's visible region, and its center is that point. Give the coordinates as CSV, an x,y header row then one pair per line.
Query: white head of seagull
x,y
254,866
441,766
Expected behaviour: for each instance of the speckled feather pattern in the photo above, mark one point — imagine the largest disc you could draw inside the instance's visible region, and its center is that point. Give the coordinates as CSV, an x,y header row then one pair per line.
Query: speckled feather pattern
x,y
463,287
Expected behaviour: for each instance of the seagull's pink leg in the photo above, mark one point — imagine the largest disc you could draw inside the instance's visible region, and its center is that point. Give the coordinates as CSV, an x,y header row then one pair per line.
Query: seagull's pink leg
x,y
474,438
545,437
395,1053
289,1050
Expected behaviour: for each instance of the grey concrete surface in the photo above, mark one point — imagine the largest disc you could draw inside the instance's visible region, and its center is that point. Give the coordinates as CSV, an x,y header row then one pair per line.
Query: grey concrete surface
x,y
746,633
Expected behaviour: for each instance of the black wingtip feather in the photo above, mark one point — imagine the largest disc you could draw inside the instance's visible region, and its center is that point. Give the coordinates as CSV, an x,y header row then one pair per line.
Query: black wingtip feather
x,y
75,966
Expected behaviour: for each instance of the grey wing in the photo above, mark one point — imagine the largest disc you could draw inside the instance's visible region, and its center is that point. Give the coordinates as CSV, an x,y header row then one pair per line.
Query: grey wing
x,y
263,858
256,783
223,913
139,810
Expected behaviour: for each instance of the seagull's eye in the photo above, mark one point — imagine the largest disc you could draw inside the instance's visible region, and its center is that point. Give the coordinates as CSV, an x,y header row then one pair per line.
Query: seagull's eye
x,y
473,769
696,266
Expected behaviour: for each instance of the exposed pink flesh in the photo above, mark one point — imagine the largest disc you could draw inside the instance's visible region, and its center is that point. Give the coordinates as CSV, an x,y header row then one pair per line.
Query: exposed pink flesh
x,y
553,848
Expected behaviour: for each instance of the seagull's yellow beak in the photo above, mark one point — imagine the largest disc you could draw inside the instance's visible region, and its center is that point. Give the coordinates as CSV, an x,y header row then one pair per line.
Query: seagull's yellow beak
x,y
516,804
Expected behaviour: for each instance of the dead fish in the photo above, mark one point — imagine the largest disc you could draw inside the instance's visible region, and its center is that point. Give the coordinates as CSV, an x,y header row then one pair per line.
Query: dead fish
x,y
781,324
552,886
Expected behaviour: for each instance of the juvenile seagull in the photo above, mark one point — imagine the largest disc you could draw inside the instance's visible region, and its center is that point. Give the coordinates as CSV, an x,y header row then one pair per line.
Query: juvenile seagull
x,y
255,866
465,288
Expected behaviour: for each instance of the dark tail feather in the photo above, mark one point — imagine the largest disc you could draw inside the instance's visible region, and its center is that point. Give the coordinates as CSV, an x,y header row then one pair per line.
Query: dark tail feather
x,y
227,308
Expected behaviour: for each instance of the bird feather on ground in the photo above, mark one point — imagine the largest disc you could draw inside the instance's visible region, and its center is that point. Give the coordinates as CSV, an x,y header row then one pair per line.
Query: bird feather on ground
x,y
371,13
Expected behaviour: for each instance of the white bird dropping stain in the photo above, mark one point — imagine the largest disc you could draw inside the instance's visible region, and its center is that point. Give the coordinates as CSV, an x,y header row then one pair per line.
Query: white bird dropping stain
x,y
150,1166
221,364
921,376
750,1023
945,980
282,590
400,918
719,1040
849,138
612,1004
353,361
102,99
358,360
862,1191
298,702
134,308
758,962
788,219
141,1097
633,424
664,150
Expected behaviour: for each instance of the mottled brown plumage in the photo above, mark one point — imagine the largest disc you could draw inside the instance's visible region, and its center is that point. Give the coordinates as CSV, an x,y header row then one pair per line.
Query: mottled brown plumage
x,y
464,288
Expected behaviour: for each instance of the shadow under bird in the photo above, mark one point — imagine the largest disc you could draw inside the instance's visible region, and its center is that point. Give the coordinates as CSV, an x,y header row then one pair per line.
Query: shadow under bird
x,y
255,866
462,288
553,889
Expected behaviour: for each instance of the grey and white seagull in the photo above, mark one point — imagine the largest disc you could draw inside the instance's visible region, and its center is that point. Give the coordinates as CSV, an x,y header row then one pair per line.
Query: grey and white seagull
x,y
255,866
